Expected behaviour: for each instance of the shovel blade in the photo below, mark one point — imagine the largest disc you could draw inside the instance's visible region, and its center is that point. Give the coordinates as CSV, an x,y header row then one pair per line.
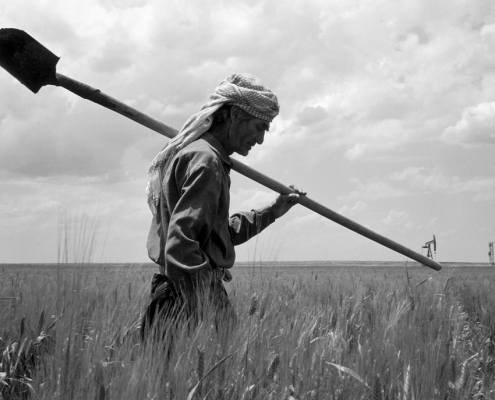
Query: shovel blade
x,y
27,60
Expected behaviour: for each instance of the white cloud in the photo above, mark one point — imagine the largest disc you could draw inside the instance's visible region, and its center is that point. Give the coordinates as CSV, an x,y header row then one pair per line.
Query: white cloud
x,y
363,81
475,128
483,189
398,218
418,181
311,222
351,211
244,200
30,210
311,115
385,135
374,189
415,177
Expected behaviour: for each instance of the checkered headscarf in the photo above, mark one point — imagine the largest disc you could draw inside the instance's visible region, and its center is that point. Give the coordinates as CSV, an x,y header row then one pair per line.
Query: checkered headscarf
x,y
242,90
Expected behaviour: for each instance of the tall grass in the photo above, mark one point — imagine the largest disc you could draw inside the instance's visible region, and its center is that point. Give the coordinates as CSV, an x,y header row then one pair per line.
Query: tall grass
x,y
303,333
78,235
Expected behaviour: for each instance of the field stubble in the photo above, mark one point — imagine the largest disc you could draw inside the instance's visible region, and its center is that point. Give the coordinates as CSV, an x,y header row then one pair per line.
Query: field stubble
x,y
306,331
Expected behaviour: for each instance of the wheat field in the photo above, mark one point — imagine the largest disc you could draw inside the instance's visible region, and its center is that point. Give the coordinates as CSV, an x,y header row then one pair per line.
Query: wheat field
x,y
305,331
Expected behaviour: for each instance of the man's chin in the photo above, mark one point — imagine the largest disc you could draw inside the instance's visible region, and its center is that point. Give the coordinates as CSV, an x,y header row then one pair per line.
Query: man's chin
x,y
243,153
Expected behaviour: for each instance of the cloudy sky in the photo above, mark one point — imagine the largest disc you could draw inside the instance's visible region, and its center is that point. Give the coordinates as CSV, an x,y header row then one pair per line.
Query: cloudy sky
x,y
387,117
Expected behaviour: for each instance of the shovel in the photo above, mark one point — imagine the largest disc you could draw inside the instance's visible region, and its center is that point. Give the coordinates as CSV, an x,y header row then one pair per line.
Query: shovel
x,y
35,66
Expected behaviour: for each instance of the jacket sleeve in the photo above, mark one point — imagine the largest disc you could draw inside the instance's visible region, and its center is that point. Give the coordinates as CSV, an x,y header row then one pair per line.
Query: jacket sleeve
x,y
244,225
192,219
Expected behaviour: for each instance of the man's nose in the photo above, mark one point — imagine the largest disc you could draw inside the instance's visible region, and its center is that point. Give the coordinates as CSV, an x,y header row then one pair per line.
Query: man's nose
x,y
260,138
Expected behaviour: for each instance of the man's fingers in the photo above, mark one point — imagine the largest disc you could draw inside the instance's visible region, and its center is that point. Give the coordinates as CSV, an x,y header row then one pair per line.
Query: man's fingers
x,y
293,198
297,190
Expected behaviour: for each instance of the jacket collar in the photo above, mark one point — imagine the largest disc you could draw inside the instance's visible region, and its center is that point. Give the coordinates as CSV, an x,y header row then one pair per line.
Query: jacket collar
x,y
217,147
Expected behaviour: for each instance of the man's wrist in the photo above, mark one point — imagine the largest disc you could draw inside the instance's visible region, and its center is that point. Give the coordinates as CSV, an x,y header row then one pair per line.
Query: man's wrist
x,y
268,213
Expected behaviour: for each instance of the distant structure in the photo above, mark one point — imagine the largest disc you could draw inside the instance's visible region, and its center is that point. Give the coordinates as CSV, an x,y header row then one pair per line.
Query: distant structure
x,y
433,243
490,253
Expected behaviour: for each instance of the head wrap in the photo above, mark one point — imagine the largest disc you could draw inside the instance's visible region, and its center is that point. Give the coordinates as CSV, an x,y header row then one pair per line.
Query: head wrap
x,y
242,90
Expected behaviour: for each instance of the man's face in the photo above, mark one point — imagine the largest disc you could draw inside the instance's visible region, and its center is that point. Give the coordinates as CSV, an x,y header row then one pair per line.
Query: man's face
x,y
246,133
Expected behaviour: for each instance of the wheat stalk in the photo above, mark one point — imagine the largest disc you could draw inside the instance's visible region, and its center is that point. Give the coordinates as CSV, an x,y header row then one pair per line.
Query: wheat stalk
x,y
377,389
460,382
200,369
193,390
407,381
272,369
350,372
254,304
264,303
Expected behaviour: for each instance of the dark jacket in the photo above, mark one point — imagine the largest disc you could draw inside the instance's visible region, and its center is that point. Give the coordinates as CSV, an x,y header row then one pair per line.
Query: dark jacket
x,y
191,232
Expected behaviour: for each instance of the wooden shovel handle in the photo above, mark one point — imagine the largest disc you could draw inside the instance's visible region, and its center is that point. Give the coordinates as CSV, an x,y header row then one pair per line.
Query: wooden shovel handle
x,y
104,100
332,215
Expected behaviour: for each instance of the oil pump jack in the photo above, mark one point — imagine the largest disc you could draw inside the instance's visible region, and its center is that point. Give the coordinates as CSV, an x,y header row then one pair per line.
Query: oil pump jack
x,y
429,245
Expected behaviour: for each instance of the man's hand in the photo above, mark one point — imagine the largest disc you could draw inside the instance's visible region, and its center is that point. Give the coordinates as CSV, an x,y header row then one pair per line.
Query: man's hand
x,y
285,202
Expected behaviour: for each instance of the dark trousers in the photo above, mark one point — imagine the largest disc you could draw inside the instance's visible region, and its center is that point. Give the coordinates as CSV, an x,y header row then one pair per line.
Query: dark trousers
x,y
173,306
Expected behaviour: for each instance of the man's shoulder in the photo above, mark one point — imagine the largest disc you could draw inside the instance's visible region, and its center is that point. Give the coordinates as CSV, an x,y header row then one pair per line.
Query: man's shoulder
x,y
200,145
199,150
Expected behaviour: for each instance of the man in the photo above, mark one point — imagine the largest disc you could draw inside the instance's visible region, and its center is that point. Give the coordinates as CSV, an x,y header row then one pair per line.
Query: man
x,y
191,237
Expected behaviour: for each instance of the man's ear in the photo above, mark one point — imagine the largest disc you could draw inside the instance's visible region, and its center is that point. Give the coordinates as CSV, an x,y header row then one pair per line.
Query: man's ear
x,y
235,113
